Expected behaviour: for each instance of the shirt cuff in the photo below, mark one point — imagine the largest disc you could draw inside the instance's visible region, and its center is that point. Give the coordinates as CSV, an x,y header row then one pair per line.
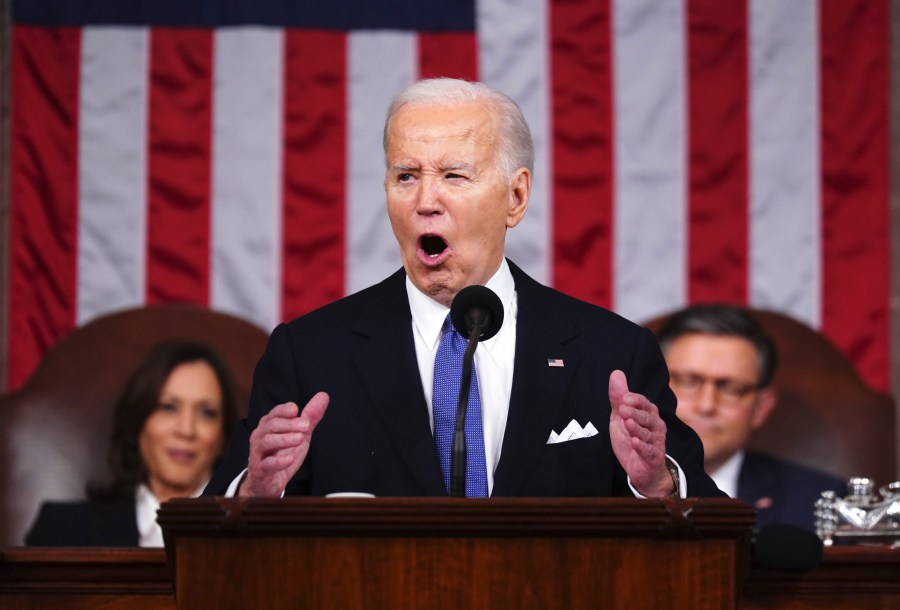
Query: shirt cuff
x,y
233,488
682,480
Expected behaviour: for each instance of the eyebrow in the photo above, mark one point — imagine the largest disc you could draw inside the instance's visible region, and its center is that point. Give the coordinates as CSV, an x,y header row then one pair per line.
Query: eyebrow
x,y
460,165
410,167
402,167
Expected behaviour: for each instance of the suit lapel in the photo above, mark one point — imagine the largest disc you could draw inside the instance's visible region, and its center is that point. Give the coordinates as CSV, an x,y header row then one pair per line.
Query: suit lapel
x,y
386,362
537,387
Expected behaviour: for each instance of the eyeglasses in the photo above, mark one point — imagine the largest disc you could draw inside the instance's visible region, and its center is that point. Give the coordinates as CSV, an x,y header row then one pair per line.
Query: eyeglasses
x,y
729,390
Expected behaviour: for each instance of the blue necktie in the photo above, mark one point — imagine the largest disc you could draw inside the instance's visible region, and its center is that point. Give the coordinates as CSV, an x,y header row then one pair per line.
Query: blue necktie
x,y
447,378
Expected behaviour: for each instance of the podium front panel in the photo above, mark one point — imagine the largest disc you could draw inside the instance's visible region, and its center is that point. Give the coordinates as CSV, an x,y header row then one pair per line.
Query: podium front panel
x,y
457,553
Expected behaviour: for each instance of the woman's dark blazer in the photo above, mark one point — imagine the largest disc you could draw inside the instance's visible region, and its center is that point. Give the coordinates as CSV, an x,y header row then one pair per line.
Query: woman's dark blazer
x,y
88,523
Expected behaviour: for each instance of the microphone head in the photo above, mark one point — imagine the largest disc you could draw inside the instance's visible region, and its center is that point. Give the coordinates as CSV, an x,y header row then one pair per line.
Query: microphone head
x,y
787,547
477,305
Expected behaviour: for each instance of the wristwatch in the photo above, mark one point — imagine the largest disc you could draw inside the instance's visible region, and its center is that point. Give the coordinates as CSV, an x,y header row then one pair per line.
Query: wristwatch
x,y
676,478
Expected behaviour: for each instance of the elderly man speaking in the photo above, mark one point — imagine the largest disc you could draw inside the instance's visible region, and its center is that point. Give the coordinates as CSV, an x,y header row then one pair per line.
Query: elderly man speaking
x,y
567,399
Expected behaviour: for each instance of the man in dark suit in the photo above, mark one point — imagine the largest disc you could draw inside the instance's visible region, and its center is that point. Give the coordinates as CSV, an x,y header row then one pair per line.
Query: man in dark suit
x,y
721,365
558,416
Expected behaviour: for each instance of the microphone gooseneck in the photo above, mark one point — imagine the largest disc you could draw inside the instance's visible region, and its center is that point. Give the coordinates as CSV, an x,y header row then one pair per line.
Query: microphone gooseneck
x,y
477,314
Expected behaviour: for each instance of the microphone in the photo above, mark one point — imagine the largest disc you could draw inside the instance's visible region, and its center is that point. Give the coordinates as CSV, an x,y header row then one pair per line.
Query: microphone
x,y
787,547
476,313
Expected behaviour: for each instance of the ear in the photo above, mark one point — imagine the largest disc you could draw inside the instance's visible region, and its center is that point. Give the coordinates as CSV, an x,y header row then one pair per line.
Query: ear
x,y
765,404
520,191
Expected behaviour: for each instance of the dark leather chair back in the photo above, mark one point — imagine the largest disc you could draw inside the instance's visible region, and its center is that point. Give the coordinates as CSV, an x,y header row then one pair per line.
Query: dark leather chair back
x,y
56,428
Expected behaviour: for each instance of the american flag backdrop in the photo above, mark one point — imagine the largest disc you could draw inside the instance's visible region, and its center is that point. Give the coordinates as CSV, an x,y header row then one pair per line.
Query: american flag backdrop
x,y
228,153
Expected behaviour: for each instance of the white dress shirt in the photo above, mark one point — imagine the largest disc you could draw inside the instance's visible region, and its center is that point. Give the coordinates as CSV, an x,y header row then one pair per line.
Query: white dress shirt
x,y
493,359
146,505
726,476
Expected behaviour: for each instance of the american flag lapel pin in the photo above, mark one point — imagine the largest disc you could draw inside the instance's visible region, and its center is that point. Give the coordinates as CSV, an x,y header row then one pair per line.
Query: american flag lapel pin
x,y
555,362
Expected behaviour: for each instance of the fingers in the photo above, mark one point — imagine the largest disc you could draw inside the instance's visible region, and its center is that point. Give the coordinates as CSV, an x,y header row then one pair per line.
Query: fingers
x,y
272,465
314,410
273,440
638,435
631,405
638,415
653,435
618,388
279,444
282,420
287,409
646,429
648,443
637,408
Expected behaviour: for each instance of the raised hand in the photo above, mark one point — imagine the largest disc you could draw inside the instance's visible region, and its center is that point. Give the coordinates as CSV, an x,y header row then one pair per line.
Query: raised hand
x,y
279,445
638,437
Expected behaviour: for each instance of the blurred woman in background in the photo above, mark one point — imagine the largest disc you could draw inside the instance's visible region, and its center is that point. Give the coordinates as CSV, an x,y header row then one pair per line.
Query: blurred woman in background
x,y
172,424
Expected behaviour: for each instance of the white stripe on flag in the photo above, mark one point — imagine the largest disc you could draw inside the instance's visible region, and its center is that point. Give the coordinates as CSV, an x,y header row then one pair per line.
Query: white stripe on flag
x,y
513,56
246,173
650,243
112,170
785,227
380,65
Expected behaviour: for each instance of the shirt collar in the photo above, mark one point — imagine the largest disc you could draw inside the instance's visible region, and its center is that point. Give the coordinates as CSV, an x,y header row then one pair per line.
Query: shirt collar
x,y
428,315
147,505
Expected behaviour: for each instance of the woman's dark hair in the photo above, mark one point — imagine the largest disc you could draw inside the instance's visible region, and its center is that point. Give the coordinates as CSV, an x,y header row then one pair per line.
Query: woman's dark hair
x,y
140,399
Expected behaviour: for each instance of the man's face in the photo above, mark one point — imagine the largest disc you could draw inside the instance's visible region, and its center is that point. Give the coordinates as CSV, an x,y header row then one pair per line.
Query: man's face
x,y
715,379
448,201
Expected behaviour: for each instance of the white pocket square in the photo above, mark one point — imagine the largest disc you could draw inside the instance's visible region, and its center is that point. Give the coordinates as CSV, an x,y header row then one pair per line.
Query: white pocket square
x,y
572,432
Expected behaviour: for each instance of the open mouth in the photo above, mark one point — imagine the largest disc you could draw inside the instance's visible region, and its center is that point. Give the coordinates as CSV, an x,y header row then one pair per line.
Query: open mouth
x,y
433,245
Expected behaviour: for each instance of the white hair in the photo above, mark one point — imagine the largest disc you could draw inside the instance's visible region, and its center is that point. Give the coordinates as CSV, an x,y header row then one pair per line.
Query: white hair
x,y
516,145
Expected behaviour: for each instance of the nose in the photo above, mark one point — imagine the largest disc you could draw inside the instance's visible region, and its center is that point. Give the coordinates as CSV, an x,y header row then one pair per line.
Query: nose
x,y
429,197
186,425
707,398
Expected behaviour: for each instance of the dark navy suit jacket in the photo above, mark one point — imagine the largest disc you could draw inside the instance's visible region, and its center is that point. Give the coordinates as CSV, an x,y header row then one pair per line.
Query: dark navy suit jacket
x,y
375,436
783,492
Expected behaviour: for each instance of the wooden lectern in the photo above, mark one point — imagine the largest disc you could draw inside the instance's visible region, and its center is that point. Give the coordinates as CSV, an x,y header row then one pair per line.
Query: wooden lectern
x,y
449,553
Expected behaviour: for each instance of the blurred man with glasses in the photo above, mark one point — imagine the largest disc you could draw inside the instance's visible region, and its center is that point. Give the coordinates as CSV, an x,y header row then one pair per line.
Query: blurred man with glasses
x,y
721,366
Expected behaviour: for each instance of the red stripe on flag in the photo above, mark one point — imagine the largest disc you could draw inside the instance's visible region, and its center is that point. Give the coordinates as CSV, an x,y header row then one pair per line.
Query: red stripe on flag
x,y
178,215
44,194
718,156
315,162
451,54
855,51
581,68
